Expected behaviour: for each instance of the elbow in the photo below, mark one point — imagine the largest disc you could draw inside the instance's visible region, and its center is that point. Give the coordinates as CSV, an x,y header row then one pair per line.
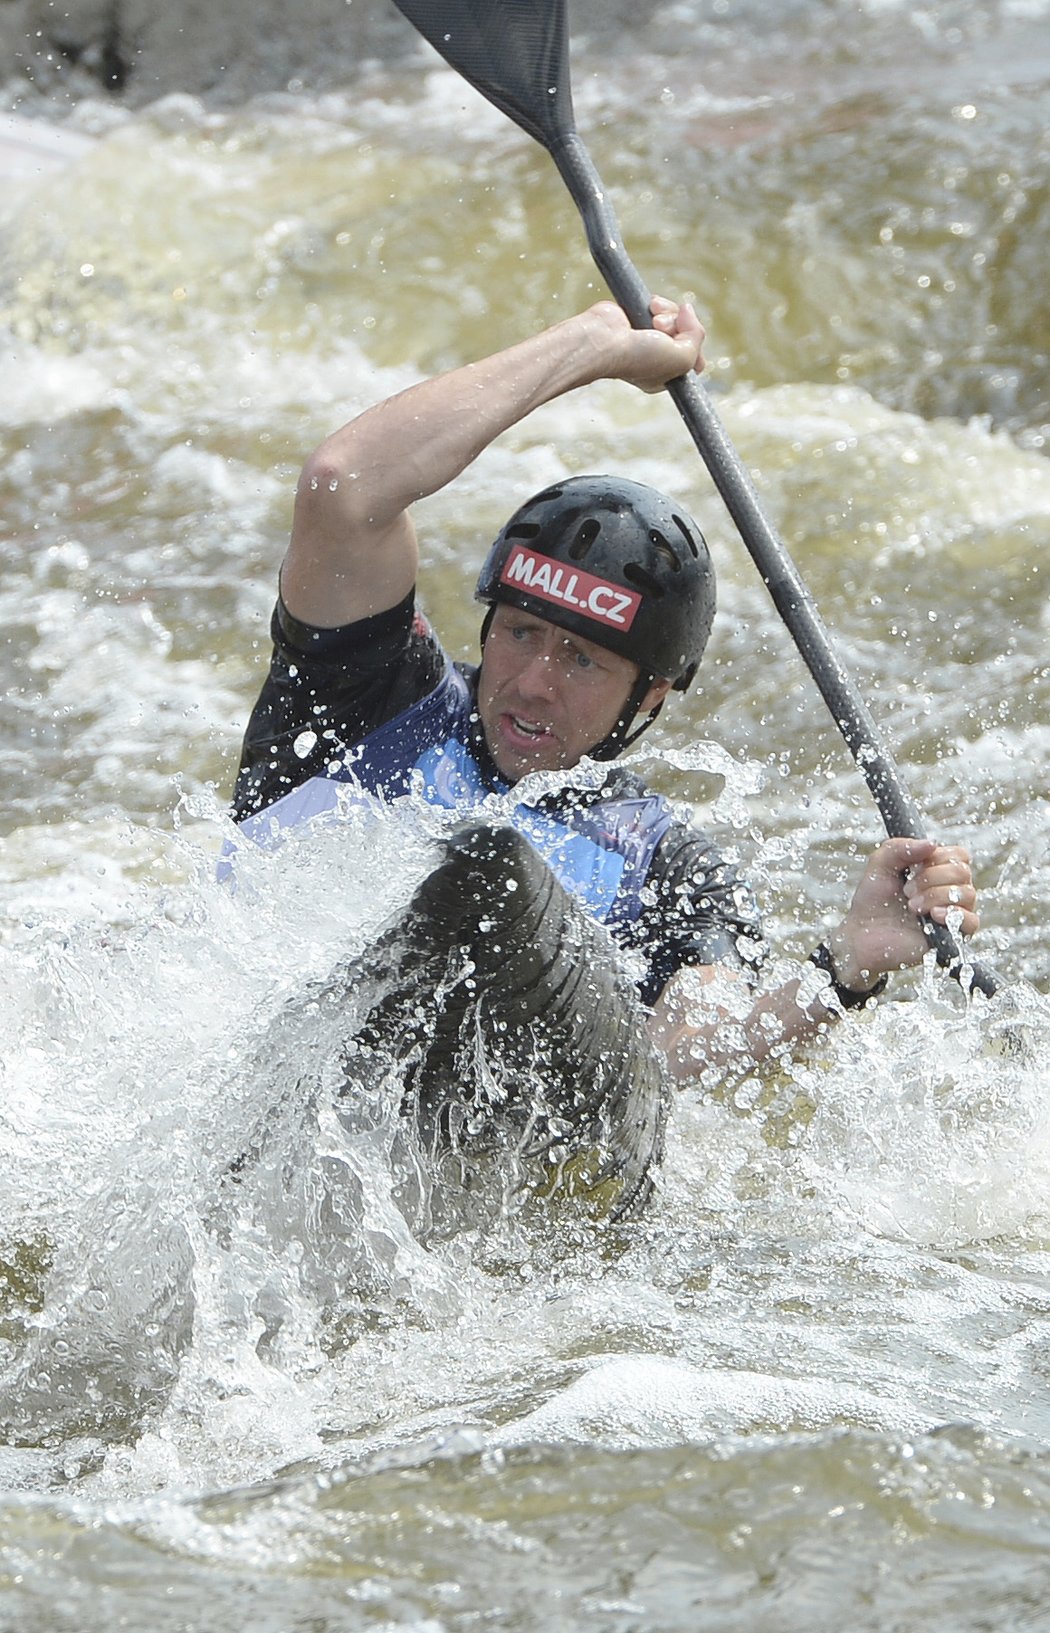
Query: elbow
x,y
330,496
322,478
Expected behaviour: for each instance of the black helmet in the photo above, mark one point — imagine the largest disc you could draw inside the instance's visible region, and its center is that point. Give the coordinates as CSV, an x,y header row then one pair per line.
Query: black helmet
x,y
614,561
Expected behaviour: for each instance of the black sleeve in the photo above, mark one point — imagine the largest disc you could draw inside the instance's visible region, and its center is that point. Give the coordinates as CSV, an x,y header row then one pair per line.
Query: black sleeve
x,y
698,910
326,690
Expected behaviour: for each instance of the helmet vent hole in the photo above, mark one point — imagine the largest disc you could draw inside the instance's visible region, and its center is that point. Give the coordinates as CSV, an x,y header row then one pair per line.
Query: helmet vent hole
x,y
687,534
665,550
643,580
586,534
523,530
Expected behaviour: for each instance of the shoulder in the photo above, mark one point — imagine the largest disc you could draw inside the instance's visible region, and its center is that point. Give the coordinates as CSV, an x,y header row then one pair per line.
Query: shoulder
x,y
330,688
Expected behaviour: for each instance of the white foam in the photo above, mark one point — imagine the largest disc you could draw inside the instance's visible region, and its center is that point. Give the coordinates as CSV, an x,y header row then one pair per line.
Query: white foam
x,y
650,1400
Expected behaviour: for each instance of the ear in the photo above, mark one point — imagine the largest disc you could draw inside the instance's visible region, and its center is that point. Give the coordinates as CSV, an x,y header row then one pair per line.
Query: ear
x,y
654,696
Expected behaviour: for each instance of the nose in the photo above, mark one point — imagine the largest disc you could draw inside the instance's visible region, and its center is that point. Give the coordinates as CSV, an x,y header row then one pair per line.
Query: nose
x,y
536,678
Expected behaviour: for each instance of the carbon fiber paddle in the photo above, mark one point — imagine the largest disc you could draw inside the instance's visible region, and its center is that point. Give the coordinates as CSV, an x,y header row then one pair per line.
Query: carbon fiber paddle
x,y
516,53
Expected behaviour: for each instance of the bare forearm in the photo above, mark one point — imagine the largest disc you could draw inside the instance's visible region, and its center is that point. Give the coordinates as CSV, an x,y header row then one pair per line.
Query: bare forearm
x,y
414,443
710,1023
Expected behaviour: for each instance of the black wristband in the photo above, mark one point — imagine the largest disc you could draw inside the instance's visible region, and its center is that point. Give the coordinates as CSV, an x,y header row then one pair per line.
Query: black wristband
x,y
848,997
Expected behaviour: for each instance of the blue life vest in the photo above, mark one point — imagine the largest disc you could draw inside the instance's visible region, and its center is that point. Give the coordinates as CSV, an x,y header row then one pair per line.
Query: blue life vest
x,y
601,851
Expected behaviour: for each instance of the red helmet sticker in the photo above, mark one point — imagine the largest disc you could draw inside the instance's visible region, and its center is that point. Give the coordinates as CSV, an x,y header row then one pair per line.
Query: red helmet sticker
x,y
550,580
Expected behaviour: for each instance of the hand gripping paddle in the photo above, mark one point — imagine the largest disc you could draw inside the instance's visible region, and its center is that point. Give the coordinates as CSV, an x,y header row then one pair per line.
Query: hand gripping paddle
x,y
516,53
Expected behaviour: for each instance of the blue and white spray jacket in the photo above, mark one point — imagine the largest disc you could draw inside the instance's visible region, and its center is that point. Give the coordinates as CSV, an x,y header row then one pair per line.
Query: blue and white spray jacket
x,y
601,850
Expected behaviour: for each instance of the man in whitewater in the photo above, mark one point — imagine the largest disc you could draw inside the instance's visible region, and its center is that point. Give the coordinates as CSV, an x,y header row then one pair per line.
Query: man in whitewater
x,y
600,597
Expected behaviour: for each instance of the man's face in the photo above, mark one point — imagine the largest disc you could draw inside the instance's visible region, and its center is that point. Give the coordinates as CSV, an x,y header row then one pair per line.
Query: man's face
x,y
545,696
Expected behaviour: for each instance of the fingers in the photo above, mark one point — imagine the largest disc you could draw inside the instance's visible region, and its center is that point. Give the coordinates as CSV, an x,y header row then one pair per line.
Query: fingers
x,y
680,322
676,318
939,893
907,856
938,882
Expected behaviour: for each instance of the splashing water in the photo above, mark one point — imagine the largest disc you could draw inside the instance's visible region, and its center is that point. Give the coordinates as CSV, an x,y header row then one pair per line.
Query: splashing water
x,y
808,1386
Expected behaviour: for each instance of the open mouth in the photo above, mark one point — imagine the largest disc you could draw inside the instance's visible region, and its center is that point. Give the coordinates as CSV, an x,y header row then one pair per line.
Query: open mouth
x,y
528,728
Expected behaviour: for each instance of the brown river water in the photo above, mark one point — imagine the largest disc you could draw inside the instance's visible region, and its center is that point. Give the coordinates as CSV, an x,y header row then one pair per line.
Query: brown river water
x,y
811,1388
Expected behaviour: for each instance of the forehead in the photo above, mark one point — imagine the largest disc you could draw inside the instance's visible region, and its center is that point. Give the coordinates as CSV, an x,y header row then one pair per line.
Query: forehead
x,y
505,615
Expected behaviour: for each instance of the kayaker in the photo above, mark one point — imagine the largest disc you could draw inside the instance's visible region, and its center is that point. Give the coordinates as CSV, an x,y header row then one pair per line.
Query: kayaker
x,y
600,595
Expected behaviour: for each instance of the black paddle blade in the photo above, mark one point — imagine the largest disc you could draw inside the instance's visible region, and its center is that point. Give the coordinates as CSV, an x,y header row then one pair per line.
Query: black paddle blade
x,y
515,52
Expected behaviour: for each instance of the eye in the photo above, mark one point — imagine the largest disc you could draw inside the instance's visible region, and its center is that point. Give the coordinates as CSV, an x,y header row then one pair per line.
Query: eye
x,y
583,660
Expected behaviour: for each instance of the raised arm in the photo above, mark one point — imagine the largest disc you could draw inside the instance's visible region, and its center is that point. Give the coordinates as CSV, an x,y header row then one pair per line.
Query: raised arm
x,y
353,548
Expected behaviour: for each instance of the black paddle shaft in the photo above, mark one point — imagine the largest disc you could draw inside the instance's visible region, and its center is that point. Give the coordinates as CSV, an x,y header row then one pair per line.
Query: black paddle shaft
x,y
790,595
515,52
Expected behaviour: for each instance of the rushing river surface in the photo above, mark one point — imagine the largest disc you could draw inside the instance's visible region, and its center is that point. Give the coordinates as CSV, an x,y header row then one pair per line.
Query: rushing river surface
x,y
810,1389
